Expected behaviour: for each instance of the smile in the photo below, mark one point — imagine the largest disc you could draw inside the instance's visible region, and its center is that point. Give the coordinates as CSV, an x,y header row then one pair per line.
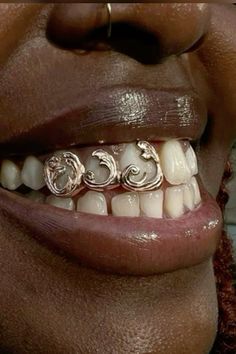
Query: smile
x,y
128,208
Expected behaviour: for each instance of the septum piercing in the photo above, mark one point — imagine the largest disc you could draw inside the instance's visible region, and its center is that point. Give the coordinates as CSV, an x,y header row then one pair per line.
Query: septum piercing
x,y
64,173
108,6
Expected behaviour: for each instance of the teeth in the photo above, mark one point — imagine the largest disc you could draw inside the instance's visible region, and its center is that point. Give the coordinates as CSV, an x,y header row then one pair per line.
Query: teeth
x,y
151,204
64,203
32,173
10,175
191,160
174,164
188,196
36,196
93,203
174,202
132,156
178,162
100,172
126,204
197,195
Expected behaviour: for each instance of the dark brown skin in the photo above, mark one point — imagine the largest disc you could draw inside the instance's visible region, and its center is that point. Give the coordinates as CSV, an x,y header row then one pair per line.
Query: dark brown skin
x,y
49,304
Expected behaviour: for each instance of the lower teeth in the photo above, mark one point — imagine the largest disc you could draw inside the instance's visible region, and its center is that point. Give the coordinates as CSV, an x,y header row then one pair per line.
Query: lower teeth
x,y
173,202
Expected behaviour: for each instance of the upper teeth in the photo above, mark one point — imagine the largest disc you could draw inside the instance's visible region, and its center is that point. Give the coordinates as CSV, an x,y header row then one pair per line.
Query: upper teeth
x,y
10,175
174,163
143,172
131,156
177,162
191,160
32,173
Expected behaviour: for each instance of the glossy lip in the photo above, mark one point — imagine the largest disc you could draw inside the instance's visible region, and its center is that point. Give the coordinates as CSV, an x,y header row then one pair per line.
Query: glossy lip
x,y
112,115
122,245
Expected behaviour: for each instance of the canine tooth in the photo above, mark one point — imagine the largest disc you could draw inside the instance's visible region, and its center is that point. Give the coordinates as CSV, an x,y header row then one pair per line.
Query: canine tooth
x,y
10,175
93,203
132,156
36,196
173,162
125,204
32,173
174,202
188,196
64,203
197,195
151,203
191,160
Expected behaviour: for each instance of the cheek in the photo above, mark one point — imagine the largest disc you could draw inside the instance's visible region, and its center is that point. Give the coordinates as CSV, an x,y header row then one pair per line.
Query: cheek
x,y
66,307
14,21
212,160
217,54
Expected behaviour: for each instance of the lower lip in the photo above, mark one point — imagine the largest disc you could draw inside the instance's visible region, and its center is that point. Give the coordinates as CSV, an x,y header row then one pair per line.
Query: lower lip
x,y
122,245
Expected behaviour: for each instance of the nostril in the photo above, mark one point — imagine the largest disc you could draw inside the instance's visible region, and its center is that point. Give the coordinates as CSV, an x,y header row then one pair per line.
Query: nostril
x,y
138,31
126,39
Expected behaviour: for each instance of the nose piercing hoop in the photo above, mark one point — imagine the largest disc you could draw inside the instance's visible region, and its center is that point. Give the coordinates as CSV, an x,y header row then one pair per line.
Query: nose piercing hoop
x,y
108,5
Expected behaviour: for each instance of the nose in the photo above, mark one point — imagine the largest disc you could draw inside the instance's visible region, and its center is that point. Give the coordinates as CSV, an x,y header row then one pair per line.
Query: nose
x,y
146,32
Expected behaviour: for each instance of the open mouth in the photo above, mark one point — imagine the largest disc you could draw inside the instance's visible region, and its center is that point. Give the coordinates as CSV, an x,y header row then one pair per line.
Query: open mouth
x,y
137,207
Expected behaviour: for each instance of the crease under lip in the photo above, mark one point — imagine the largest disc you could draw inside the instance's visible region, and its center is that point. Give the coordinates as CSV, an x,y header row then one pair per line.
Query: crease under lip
x,y
112,115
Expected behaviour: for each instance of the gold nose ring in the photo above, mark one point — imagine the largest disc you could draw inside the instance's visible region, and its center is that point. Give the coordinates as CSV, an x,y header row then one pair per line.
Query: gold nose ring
x,y
108,5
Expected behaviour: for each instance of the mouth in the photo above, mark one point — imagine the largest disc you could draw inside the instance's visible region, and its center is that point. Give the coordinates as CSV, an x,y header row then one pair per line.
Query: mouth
x,y
139,212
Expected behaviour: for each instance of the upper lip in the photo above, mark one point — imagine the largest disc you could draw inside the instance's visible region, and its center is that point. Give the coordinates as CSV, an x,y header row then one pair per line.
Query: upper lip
x,y
113,115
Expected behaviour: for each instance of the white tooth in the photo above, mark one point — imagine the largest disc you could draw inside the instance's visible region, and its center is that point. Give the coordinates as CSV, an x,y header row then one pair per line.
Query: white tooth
x,y
174,202
100,172
188,196
173,162
125,204
32,173
64,203
191,160
151,204
93,203
132,155
36,196
10,175
197,195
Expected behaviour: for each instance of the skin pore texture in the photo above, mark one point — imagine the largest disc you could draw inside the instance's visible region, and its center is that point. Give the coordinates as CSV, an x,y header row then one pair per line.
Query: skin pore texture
x,y
49,56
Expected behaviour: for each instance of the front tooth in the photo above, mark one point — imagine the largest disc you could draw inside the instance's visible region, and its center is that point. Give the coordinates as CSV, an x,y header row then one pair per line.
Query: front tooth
x,y
93,203
36,196
191,160
151,204
174,164
174,202
101,173
197,195
32,173
188,196
10,175
64,203
132,156
125,204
